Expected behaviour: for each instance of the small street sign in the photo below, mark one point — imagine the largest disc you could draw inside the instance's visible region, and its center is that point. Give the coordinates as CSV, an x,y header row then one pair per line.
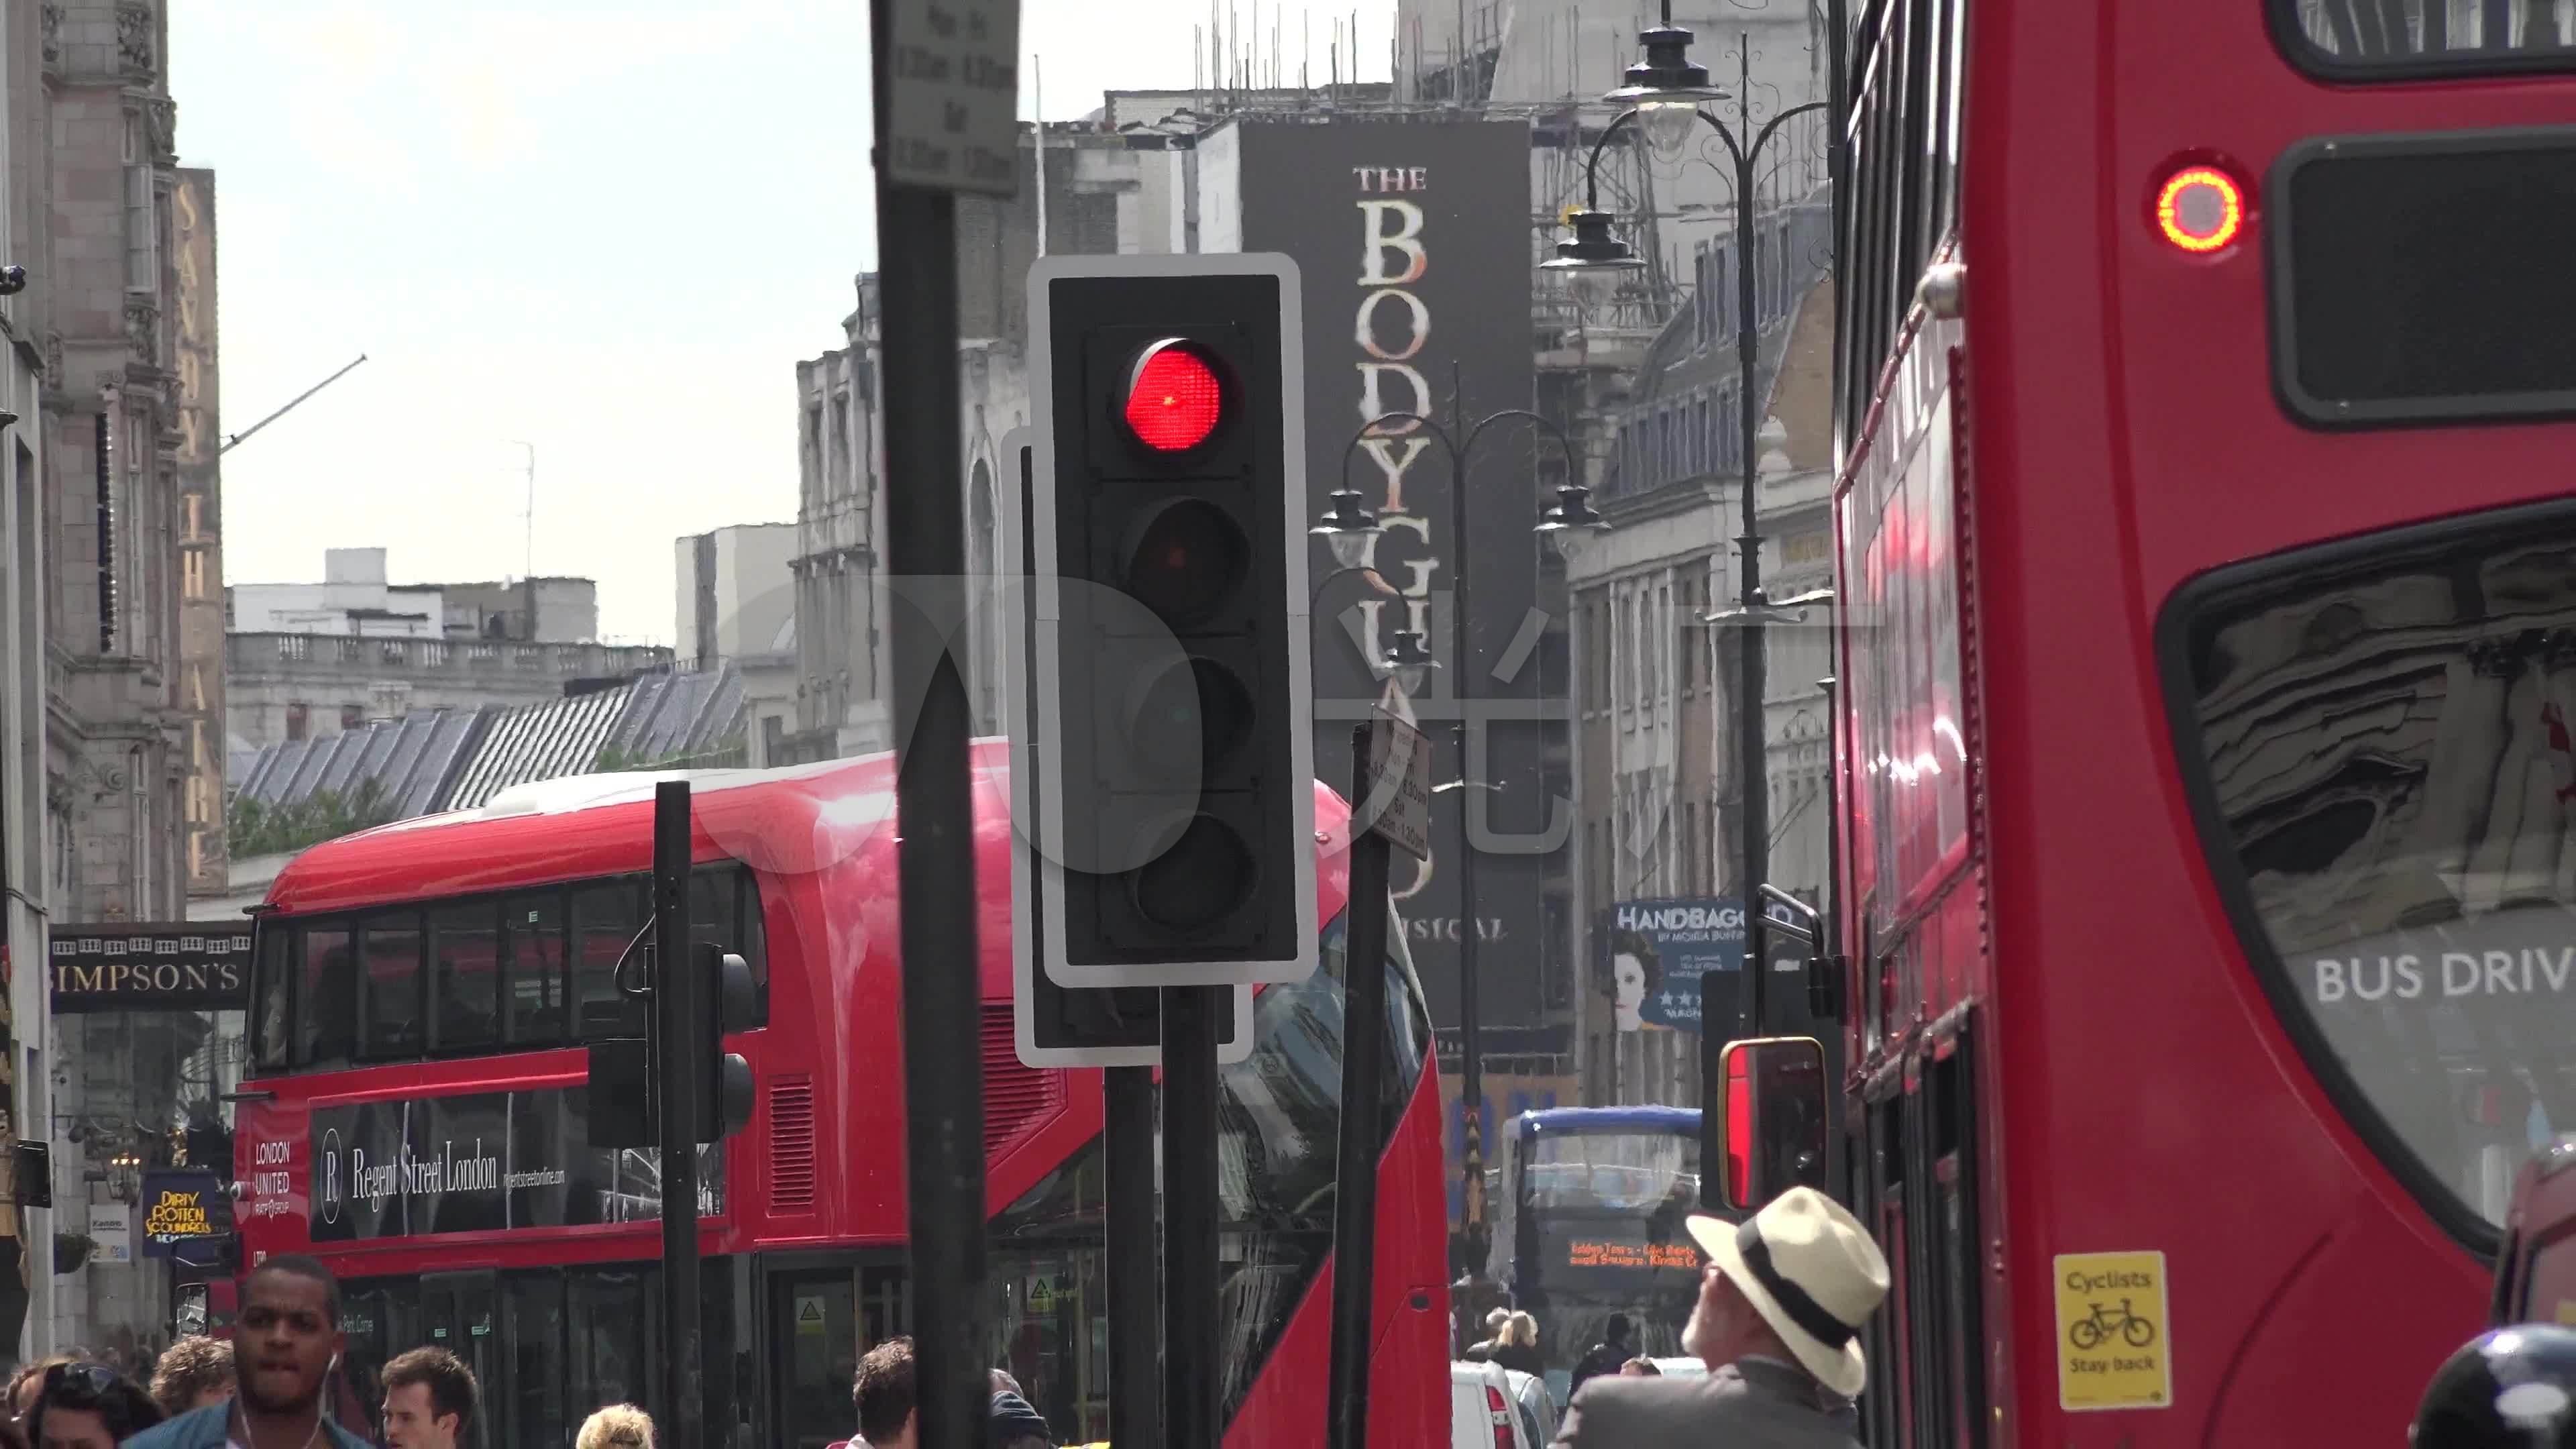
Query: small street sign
x,y
952,84
1399,803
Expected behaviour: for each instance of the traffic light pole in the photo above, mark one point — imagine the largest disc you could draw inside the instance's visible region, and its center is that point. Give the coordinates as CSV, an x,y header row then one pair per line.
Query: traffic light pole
x,y
1363,1111
943,1070
1191,1347
1135,1401
676,1012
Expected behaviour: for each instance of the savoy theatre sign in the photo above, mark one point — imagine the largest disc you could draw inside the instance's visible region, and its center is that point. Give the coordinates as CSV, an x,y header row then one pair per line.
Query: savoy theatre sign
x,y
185,966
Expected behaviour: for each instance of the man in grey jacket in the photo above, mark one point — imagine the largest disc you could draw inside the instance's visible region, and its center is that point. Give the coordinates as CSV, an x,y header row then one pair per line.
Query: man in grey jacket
x,y
1781,1305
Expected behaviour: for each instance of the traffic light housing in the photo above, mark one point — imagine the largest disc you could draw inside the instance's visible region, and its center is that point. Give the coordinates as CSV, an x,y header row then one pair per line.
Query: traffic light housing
x,y
623,1103
729,1002
1177,809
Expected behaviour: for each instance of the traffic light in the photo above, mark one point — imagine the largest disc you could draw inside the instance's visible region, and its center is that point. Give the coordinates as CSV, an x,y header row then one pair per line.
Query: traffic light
x,y
623,1106
1176,805
729,1002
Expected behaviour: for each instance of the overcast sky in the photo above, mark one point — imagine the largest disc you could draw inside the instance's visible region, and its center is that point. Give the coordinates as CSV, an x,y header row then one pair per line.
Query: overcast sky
x,y
609,228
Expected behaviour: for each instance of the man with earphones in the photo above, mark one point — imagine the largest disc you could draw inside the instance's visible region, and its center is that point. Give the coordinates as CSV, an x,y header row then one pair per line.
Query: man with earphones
x,y
286,1346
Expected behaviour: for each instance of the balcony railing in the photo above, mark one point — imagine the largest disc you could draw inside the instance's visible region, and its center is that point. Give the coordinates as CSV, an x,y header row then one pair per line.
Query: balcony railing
x,y
337,654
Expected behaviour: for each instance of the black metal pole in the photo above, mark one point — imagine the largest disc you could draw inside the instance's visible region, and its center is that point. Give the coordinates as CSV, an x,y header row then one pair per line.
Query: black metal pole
x,y
1191,1351
1752,759
676,1010
1135,1402
943,1069
1363,1115
1471,1066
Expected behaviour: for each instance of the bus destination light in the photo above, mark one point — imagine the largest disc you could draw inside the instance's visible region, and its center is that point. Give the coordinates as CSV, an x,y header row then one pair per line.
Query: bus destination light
x,y
2200,209
1175,399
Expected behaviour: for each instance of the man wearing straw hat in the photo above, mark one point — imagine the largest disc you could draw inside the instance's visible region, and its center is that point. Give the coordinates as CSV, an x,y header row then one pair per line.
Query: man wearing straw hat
x,y
1781,1305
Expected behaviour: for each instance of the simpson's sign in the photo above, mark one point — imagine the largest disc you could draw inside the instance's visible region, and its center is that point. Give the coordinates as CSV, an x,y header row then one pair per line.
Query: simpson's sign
x,y
188,966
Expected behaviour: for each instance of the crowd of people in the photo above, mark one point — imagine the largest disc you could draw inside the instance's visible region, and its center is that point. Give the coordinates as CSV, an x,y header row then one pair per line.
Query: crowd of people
x,y
266,1387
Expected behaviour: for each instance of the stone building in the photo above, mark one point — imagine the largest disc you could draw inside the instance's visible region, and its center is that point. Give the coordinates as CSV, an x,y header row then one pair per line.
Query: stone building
x,y
119,246
26,865
736,601
1656,749
306,661
1104,194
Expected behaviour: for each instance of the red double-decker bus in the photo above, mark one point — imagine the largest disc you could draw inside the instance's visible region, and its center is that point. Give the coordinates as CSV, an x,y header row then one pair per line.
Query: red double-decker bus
x,y
417,1109
2211,590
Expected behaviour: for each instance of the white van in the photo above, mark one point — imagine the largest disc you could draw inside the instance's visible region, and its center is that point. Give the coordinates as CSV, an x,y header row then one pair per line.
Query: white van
x,y
1492,1407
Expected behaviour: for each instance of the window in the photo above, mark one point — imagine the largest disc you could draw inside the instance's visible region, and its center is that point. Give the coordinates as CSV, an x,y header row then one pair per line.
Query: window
x,y
1277,1130
352,716
2378,734
296,722
2408,39
271,1003
485,973
605,921
465,981
390,946
328,998
533,935
142,229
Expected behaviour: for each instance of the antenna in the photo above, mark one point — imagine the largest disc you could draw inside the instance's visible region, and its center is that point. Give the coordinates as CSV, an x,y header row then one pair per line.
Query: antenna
x,y
528,570
1037,102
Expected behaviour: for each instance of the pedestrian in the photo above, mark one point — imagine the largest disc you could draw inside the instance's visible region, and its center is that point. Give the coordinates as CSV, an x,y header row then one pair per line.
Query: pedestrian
x,y
619,1426
1014,1424
88,1406
28,1382
286,1346
2507,1388
1781,1305
194,1372
430,1396
1606,1356
882,1391
1482,1350
1640,1368
1516,1345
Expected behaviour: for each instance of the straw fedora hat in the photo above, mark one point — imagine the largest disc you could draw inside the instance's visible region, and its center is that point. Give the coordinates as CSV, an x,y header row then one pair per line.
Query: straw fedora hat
x,y
1813,1273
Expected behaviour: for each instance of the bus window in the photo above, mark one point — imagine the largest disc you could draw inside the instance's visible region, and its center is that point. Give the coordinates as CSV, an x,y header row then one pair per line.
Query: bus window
x,y
534,1014
390,946
605,919
328,998
465,979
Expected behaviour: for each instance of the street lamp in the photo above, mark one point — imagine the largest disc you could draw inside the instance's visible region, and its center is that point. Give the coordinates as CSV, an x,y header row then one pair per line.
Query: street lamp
x,y
1665,87
1409,660
1347,526
1410,653
1665,84
1572,513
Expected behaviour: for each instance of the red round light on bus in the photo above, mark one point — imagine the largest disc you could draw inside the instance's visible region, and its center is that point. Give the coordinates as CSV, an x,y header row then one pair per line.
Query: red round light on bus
x,y
2201,209
1175,399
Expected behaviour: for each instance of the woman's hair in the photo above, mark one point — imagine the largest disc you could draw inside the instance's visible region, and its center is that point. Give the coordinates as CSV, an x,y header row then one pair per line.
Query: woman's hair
x,y
1631,943
619,1426
120,1402
193,1366
1521,1331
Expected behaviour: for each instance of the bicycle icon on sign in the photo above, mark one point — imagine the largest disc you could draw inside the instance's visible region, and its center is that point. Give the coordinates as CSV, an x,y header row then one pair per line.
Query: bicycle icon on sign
x,y
2091,1333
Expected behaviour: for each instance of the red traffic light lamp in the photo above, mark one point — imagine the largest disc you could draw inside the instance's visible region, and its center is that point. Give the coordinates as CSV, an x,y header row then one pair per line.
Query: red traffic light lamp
x,y
1174,397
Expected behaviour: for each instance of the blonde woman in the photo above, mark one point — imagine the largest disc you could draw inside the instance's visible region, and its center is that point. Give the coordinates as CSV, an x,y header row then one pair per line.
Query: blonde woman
x,y
619,1426
1516,1344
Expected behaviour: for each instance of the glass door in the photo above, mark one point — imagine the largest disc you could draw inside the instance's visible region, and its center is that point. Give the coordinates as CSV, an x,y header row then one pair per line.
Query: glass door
x,y
457,1311
814,1343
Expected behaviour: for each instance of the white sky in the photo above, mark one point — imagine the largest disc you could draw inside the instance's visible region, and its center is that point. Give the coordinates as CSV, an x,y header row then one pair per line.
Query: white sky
x,y
607,227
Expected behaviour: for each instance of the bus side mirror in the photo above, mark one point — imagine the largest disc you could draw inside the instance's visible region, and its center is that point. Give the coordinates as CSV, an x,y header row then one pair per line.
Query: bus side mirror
x,y
1774,1104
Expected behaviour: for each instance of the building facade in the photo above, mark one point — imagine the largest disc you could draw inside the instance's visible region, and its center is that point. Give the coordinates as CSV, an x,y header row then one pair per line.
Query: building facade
x,y
1657,752
118,242
306,661
26,863
736,604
